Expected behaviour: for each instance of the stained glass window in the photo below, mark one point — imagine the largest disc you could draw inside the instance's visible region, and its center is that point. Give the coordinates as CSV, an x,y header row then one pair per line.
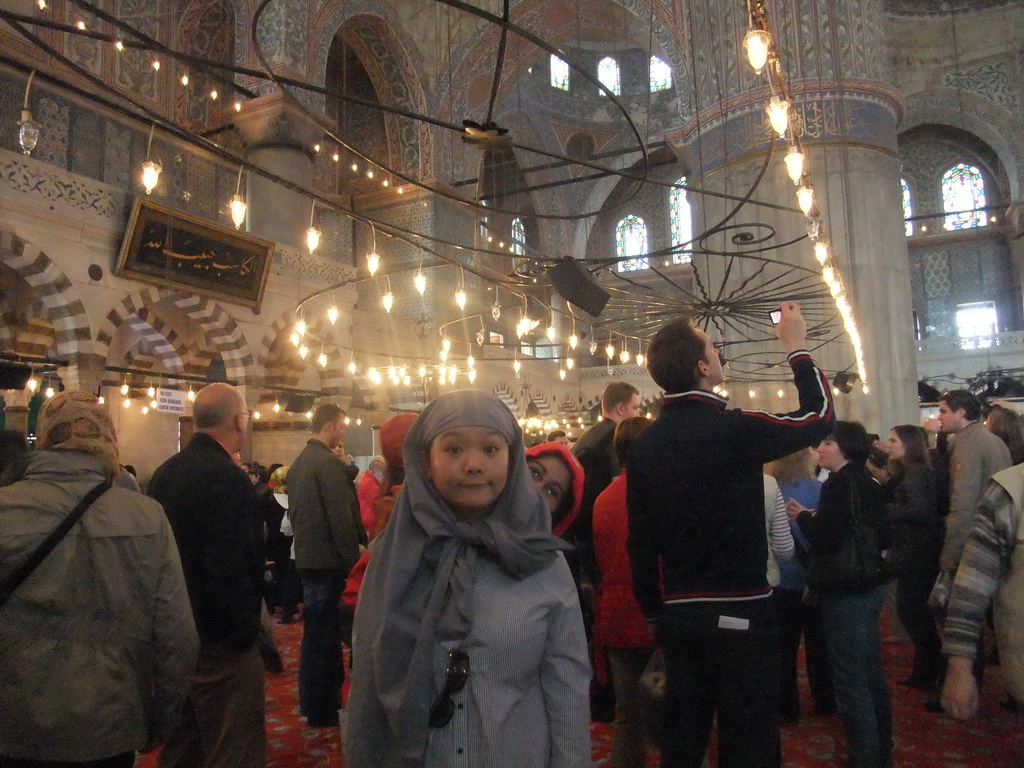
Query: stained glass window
x,y
661,75
608,74
963,197
631,243
680,221
518,237
908,209
559,73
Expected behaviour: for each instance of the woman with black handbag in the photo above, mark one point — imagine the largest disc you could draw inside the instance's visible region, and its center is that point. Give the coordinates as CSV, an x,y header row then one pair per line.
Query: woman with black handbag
x,y
848,532
913,558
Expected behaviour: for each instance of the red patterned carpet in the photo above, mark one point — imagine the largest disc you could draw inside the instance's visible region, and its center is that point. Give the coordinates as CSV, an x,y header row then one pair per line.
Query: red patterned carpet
x,y
995,739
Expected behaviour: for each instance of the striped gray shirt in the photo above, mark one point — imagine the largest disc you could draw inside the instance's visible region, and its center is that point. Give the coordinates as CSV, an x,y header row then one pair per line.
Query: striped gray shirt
x,y
525,703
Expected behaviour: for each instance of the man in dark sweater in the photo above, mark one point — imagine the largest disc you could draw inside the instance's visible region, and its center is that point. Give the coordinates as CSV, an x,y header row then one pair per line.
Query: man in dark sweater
x,y
212,507
324,514
698,548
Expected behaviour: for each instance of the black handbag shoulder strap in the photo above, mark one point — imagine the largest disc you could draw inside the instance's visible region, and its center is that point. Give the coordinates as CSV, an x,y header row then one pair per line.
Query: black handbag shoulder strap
x,y
49,544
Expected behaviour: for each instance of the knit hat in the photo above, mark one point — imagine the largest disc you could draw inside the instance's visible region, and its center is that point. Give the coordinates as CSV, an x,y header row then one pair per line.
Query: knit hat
x,y
75,421
392,435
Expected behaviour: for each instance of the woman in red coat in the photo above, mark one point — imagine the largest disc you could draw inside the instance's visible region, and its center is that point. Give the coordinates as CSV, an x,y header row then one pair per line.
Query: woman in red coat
x,y
619,625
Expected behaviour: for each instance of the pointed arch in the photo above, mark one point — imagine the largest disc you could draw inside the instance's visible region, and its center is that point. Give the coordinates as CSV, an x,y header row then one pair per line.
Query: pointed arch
x,y
59,301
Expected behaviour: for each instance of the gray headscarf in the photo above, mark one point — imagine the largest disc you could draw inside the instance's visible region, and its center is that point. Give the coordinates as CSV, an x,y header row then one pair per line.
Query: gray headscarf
x,y
417,588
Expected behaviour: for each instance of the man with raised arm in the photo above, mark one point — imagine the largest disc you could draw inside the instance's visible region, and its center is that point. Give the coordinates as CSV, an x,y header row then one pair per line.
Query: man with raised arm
x,y
697,542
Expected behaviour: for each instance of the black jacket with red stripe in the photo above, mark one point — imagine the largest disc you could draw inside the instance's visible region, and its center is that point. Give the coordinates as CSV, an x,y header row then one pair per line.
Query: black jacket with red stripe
x,y
695,491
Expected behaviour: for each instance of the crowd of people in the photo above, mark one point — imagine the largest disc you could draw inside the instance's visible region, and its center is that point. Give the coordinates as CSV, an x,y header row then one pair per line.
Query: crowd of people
x,y
496,597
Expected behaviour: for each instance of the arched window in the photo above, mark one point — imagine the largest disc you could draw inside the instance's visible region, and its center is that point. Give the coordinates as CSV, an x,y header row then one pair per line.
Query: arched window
x,y
908,209
680,220
518,237
608,74
559,73
963,197
631,243
661,75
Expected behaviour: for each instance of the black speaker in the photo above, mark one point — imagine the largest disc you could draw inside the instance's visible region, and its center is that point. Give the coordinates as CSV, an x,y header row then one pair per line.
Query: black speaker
x,y
844,381
299,403
14,375
576,286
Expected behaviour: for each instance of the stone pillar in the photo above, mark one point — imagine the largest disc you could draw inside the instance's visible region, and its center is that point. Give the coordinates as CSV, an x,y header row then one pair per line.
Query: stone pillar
x,y
833,57
279,138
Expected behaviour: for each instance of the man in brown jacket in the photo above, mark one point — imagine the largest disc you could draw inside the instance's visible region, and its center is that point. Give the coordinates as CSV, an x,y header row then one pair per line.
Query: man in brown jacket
x,y
324,513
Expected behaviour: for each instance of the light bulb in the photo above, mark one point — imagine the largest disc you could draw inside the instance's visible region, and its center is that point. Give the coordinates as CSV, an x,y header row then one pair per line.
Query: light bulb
x,y
151,392
238,106
420,281
795,164
388,300
303,351
156,65
453,373
312,238
145,410
119,45
213,94
352,367
444,355
422,371
127,403
757,42
573,341
28,132
151,174
470,362
778,114
41,4
322,360
752,394
446,344
184,79
835,289
610,351
480,338
153,404
191,395
460,298
561,373
300,327
33,383
593,347
256,414
355,167
238,207
624,356
639,358
277,407
517,367
551,332
496,310
80,25
471,375
805,198
101,400
332,314
828,275
49,392
781,394
124,389
821,252
295,339
372,262
569,363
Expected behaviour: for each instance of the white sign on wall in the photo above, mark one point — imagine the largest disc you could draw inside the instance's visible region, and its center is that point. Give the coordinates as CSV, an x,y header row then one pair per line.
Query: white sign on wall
x,y
170,401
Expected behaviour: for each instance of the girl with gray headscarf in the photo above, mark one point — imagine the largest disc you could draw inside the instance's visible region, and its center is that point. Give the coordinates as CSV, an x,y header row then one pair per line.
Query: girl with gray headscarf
x,y
468,640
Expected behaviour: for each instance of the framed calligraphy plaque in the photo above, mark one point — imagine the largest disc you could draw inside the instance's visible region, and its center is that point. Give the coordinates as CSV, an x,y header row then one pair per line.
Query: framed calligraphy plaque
x,y
173,249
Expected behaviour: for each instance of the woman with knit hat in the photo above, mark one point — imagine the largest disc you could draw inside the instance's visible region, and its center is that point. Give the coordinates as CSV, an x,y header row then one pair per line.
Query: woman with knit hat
x,y
98,641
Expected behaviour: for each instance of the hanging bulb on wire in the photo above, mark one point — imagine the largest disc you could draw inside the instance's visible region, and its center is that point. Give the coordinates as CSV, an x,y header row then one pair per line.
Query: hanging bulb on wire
x,y
795,163
496,310
332,314
388,300
593,347
778,114
372,262
757,43
569,363
420,282
460,298
574,340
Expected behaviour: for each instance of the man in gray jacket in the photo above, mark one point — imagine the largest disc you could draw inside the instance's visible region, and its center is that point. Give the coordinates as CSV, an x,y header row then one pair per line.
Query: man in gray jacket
x,y
97,645
324,514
